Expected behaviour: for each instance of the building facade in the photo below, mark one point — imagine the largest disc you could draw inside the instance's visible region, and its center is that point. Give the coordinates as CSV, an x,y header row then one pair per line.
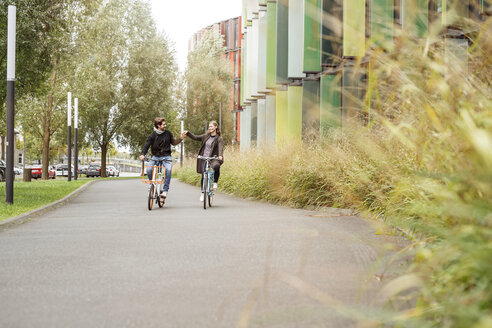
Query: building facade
x,y
230,30
302,59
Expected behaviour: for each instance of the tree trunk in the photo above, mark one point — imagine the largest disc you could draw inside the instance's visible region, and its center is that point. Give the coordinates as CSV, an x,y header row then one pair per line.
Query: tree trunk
x,y
46,153
104,150
46,125
2,150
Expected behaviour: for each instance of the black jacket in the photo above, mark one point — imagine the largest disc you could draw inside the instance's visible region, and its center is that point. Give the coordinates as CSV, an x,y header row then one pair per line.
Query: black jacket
x,y
217,149
160,144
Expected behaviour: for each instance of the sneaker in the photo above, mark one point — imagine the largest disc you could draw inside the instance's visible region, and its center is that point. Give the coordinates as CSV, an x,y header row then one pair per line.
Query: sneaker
x,y
201,197
164,194
215,186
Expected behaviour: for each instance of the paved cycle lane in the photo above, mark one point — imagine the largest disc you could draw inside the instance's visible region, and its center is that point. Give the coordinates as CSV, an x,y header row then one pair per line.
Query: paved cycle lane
x,y
104,260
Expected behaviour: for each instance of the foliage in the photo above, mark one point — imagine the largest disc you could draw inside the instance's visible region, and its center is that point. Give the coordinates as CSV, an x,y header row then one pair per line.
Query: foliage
x,y
419,158
208,84
125,75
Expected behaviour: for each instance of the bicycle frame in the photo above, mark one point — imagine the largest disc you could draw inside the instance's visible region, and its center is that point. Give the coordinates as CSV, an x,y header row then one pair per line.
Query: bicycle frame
x,y
208,180
156,183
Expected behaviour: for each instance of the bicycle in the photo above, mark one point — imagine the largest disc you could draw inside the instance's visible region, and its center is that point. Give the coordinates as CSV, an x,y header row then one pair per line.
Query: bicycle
x,y
156,183
208,181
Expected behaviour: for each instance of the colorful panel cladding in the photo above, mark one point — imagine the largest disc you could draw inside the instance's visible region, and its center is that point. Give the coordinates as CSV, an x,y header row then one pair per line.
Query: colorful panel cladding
x,y
353,93
456,54
254,122
243,51
382,23
331,43
271,45
261,125
246,128
310,109
270,119
296,35
312,36
414,17
294,112
282,59
254,57
281,97
354,28
262,52
248,62
331,102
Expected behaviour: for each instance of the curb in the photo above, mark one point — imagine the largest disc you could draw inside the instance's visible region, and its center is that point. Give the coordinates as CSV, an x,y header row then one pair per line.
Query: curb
x,y
26,217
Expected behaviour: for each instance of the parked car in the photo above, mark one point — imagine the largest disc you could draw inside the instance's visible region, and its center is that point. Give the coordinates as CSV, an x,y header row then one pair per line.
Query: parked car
x,y
83,169
17,170
94,170
62,170
2,170
37,172
111,171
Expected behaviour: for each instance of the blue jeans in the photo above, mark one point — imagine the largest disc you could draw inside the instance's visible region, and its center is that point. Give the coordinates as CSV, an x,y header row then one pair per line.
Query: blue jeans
x,y
168,165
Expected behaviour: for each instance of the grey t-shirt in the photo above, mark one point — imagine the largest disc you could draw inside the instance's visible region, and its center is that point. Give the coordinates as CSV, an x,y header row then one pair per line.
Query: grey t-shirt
x,y
208,147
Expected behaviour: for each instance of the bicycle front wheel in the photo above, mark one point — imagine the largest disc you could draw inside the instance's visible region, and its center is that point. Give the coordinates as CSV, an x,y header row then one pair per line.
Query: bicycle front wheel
x,y
150,201
205,190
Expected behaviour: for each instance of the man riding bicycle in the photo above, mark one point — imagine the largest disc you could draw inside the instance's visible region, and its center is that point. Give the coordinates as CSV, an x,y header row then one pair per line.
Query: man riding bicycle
x,y
160,142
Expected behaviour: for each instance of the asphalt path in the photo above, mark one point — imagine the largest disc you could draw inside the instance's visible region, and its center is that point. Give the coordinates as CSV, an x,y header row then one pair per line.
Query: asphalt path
x,y
104,260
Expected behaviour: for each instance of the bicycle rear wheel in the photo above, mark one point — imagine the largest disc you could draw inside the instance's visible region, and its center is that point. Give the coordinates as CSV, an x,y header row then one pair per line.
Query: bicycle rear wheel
x,y
150,201
160,199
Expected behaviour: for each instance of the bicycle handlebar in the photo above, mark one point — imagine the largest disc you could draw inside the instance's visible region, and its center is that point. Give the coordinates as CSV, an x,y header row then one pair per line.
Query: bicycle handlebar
x,y
207,158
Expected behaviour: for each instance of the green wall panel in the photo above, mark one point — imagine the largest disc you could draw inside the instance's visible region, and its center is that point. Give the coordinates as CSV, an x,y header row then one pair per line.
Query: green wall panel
x,y
353,93
354,31
382,23
282,42
415,18
296,37
331,44
312,36
281,116
310,109
271,64
331,102
294,112
248,64
270,119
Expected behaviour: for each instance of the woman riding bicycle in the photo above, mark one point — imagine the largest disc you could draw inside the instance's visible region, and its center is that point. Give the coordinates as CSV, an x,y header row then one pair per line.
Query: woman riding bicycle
x,y
212,145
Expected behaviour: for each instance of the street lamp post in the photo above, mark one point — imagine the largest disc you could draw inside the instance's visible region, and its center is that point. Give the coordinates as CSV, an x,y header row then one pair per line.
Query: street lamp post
x,y
9,182
76,126
69,127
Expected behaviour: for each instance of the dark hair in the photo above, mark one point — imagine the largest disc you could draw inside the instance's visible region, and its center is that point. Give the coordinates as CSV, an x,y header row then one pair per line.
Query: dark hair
x,y
158,121
217,125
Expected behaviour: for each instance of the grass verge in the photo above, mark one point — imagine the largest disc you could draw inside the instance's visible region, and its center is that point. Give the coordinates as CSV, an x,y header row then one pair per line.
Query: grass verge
x,y
31,195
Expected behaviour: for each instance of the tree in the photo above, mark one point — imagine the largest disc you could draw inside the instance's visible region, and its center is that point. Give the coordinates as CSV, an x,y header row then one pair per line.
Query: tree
x,y
125,75
209,84
148,91
53,27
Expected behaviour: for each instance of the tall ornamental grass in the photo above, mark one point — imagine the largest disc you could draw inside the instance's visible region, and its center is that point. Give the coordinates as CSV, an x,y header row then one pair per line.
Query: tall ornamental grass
x,y
420,159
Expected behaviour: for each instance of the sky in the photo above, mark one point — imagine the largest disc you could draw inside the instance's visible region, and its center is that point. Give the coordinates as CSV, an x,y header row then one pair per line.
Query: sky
x,y
180,19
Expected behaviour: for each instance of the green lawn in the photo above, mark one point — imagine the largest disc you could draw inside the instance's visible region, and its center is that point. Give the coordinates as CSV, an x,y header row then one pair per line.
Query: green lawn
x,y
35,194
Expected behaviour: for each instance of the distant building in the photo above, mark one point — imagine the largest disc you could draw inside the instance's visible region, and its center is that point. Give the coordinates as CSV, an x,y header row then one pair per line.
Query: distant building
x,y
231,32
